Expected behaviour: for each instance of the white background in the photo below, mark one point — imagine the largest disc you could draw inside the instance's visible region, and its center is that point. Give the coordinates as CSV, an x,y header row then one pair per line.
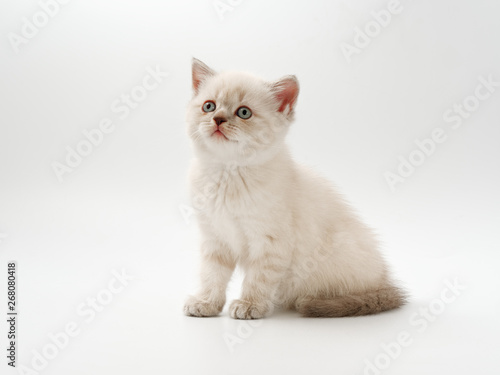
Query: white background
x,y
124,206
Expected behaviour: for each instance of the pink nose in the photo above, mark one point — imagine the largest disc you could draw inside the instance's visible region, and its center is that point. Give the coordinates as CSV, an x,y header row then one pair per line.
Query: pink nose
x,y
219,120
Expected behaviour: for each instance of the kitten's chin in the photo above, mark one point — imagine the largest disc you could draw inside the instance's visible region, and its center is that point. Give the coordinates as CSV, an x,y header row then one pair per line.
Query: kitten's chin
x,y
222,151
217,147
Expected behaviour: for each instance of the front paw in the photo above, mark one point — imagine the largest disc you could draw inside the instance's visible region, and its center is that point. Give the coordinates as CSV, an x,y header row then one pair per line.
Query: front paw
x,y
195,306
246,310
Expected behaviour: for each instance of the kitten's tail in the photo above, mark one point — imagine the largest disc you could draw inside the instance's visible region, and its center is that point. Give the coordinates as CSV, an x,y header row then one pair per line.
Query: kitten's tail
x,y
371,302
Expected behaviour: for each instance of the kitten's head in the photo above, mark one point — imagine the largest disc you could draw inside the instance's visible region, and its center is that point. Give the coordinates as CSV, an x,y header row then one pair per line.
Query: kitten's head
x,y
238,118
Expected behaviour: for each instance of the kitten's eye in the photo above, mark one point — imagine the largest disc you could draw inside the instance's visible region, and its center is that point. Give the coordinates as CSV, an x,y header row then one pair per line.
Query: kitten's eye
x,y
208,106
244,113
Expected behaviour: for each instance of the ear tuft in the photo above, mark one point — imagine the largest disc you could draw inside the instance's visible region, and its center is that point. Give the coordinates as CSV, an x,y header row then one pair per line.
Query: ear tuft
x,y
200,73
286,91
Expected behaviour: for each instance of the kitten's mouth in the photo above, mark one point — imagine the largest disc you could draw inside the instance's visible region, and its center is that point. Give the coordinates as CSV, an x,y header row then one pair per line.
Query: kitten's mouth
x,y
219,135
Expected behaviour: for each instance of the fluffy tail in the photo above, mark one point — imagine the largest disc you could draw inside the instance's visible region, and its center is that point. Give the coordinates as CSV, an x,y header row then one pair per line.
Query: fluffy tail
x,y
371,302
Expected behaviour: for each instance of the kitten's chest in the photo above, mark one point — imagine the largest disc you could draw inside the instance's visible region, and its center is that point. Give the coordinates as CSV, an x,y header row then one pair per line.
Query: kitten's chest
x,y
231,203
227,193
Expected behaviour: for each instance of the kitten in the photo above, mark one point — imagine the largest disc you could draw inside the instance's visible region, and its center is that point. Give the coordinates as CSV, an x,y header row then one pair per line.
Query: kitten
x,y
300,245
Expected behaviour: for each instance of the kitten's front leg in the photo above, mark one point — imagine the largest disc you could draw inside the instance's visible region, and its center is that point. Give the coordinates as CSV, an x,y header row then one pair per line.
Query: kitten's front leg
x,y
217,266
263,276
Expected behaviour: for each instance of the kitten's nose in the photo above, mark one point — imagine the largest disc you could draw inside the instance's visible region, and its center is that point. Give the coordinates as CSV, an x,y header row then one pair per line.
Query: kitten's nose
x,y
219,120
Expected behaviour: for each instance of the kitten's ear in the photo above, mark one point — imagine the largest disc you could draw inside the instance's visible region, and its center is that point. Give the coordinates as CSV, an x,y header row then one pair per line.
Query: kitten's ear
x,y
200,73
286,91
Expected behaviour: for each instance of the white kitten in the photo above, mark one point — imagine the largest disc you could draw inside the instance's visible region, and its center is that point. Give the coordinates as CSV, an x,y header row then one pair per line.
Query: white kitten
x,y
298,242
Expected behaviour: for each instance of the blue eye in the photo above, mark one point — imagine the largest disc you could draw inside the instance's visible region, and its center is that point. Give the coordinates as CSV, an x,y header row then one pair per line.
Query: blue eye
x,y
244,113
208,106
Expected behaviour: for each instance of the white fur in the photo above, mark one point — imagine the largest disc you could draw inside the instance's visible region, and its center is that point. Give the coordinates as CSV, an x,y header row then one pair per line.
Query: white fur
x,y
288,229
